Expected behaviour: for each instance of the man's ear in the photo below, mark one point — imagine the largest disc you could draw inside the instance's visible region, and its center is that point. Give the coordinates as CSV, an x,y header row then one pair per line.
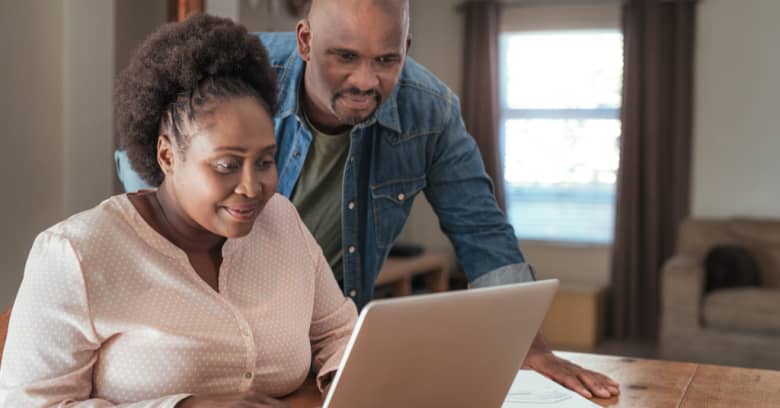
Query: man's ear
x,y
165,154
303,36
408,43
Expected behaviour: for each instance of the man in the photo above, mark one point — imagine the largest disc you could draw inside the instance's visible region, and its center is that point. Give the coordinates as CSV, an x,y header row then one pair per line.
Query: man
x,y
361,130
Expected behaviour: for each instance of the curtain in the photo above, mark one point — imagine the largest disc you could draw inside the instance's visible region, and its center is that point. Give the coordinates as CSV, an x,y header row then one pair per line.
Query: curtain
x,y
653,180
480,100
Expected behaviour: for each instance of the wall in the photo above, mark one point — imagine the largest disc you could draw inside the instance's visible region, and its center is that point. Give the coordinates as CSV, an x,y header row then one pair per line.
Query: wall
x,y
736,132
265,15
88,72
55,109
31,110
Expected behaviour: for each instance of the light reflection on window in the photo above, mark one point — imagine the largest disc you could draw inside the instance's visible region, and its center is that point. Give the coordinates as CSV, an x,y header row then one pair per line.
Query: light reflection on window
x,y
561,94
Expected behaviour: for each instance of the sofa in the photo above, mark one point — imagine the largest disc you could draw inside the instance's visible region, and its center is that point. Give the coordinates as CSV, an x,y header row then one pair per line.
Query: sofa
x,y
737,326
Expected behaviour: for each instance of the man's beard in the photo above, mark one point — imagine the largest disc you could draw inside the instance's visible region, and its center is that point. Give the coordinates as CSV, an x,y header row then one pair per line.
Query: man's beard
x,y
353,120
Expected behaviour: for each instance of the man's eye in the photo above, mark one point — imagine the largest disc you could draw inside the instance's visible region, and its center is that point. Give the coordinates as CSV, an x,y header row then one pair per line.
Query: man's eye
x,y
386,60
346,56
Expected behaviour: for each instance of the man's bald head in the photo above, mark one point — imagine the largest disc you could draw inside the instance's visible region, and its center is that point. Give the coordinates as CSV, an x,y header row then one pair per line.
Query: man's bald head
x,y
326,11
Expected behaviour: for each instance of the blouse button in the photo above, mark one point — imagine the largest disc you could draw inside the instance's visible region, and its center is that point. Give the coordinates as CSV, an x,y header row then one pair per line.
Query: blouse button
x,y
248,375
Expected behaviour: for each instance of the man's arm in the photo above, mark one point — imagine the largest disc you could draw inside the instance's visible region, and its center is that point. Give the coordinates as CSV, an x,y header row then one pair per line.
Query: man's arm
x,y
461,194
462,197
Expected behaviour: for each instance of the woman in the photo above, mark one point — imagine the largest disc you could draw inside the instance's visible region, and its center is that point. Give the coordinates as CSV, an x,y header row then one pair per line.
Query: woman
x,y
208,291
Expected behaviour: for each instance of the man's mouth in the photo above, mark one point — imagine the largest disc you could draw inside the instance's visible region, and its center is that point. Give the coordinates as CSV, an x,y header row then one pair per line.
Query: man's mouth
x,y
358,101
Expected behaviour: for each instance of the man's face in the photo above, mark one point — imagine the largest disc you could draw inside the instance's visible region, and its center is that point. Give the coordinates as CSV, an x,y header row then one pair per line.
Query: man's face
x,y
354,57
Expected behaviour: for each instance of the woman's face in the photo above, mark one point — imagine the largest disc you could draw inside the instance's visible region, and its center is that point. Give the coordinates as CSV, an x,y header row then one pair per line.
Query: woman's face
x,y
227,174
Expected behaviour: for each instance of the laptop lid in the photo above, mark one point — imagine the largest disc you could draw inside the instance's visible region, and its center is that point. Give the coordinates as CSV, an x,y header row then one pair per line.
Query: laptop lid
x,y
453,349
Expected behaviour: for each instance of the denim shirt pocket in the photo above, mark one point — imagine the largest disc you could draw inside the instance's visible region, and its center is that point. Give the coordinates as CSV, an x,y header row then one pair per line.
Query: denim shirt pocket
x,y
392,201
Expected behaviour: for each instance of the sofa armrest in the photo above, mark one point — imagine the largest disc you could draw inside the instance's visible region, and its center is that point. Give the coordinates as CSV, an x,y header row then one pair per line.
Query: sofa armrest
x,y
682,288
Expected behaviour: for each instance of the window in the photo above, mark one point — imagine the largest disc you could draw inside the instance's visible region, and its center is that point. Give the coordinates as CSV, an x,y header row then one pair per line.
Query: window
x,y
560,127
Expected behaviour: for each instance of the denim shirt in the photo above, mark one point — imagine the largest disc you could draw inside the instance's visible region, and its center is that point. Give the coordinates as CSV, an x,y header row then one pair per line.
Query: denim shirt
x,y
415,142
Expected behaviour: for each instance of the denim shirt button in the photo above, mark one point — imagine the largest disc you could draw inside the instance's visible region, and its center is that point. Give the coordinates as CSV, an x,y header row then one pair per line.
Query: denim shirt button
x,y
352,293
351,249
401,196
297,154
351,205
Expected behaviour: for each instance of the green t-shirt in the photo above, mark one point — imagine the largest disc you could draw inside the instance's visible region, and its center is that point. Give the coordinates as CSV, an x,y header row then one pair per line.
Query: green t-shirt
x,y
317,194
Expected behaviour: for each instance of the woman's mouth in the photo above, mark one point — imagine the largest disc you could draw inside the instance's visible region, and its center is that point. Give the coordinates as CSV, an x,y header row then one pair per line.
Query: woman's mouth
x,y
242,213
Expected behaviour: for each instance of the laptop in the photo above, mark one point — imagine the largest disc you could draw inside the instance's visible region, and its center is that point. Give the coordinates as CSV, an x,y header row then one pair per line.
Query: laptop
x,y
453,349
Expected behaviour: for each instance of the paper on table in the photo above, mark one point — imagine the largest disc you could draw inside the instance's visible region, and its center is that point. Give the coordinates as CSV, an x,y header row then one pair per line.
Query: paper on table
x,y
533,390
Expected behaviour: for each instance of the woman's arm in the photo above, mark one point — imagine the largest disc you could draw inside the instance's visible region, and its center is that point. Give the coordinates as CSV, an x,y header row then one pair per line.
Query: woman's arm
x,y
52,346
333,318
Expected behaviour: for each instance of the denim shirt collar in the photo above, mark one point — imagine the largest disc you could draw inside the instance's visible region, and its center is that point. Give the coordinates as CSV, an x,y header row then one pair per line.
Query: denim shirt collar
x,y
386,115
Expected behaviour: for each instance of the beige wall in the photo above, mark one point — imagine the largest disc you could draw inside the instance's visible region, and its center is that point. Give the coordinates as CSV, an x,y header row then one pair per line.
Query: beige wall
x,y
31,111
265,15
134,20
88,67
57,74
736,129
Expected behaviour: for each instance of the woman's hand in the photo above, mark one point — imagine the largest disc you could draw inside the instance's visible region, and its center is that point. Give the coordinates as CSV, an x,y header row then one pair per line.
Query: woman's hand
x,y
249,399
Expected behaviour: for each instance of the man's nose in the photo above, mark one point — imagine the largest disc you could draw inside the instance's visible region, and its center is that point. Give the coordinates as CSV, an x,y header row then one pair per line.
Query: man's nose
x,y
365,77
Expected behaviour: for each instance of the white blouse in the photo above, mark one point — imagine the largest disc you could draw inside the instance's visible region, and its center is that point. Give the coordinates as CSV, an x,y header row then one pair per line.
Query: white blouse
x,y
109,312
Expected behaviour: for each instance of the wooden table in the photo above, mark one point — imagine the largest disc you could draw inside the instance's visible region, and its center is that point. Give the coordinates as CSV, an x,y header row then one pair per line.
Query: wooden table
x,y
655,383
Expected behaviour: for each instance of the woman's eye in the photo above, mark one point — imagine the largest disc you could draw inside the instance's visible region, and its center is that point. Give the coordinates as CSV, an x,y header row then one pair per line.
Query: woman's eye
x,y
225,166
265,164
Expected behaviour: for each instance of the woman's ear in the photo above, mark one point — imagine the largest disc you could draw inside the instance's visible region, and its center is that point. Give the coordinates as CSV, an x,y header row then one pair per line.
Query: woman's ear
x,y
165,154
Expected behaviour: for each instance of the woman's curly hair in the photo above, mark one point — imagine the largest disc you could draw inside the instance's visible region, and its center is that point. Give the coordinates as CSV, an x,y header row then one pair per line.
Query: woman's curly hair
x,y
179,72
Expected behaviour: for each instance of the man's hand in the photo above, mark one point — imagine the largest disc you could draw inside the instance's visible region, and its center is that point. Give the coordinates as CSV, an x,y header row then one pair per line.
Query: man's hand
x,y
585,382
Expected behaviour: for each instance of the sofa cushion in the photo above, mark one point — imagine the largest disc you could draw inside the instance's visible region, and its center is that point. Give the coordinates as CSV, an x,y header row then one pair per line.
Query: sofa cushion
x,y
768,259
762,236
730,266
745,309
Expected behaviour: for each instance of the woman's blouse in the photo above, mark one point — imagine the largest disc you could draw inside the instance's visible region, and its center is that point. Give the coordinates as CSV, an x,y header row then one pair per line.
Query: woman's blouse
x,y
109,312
